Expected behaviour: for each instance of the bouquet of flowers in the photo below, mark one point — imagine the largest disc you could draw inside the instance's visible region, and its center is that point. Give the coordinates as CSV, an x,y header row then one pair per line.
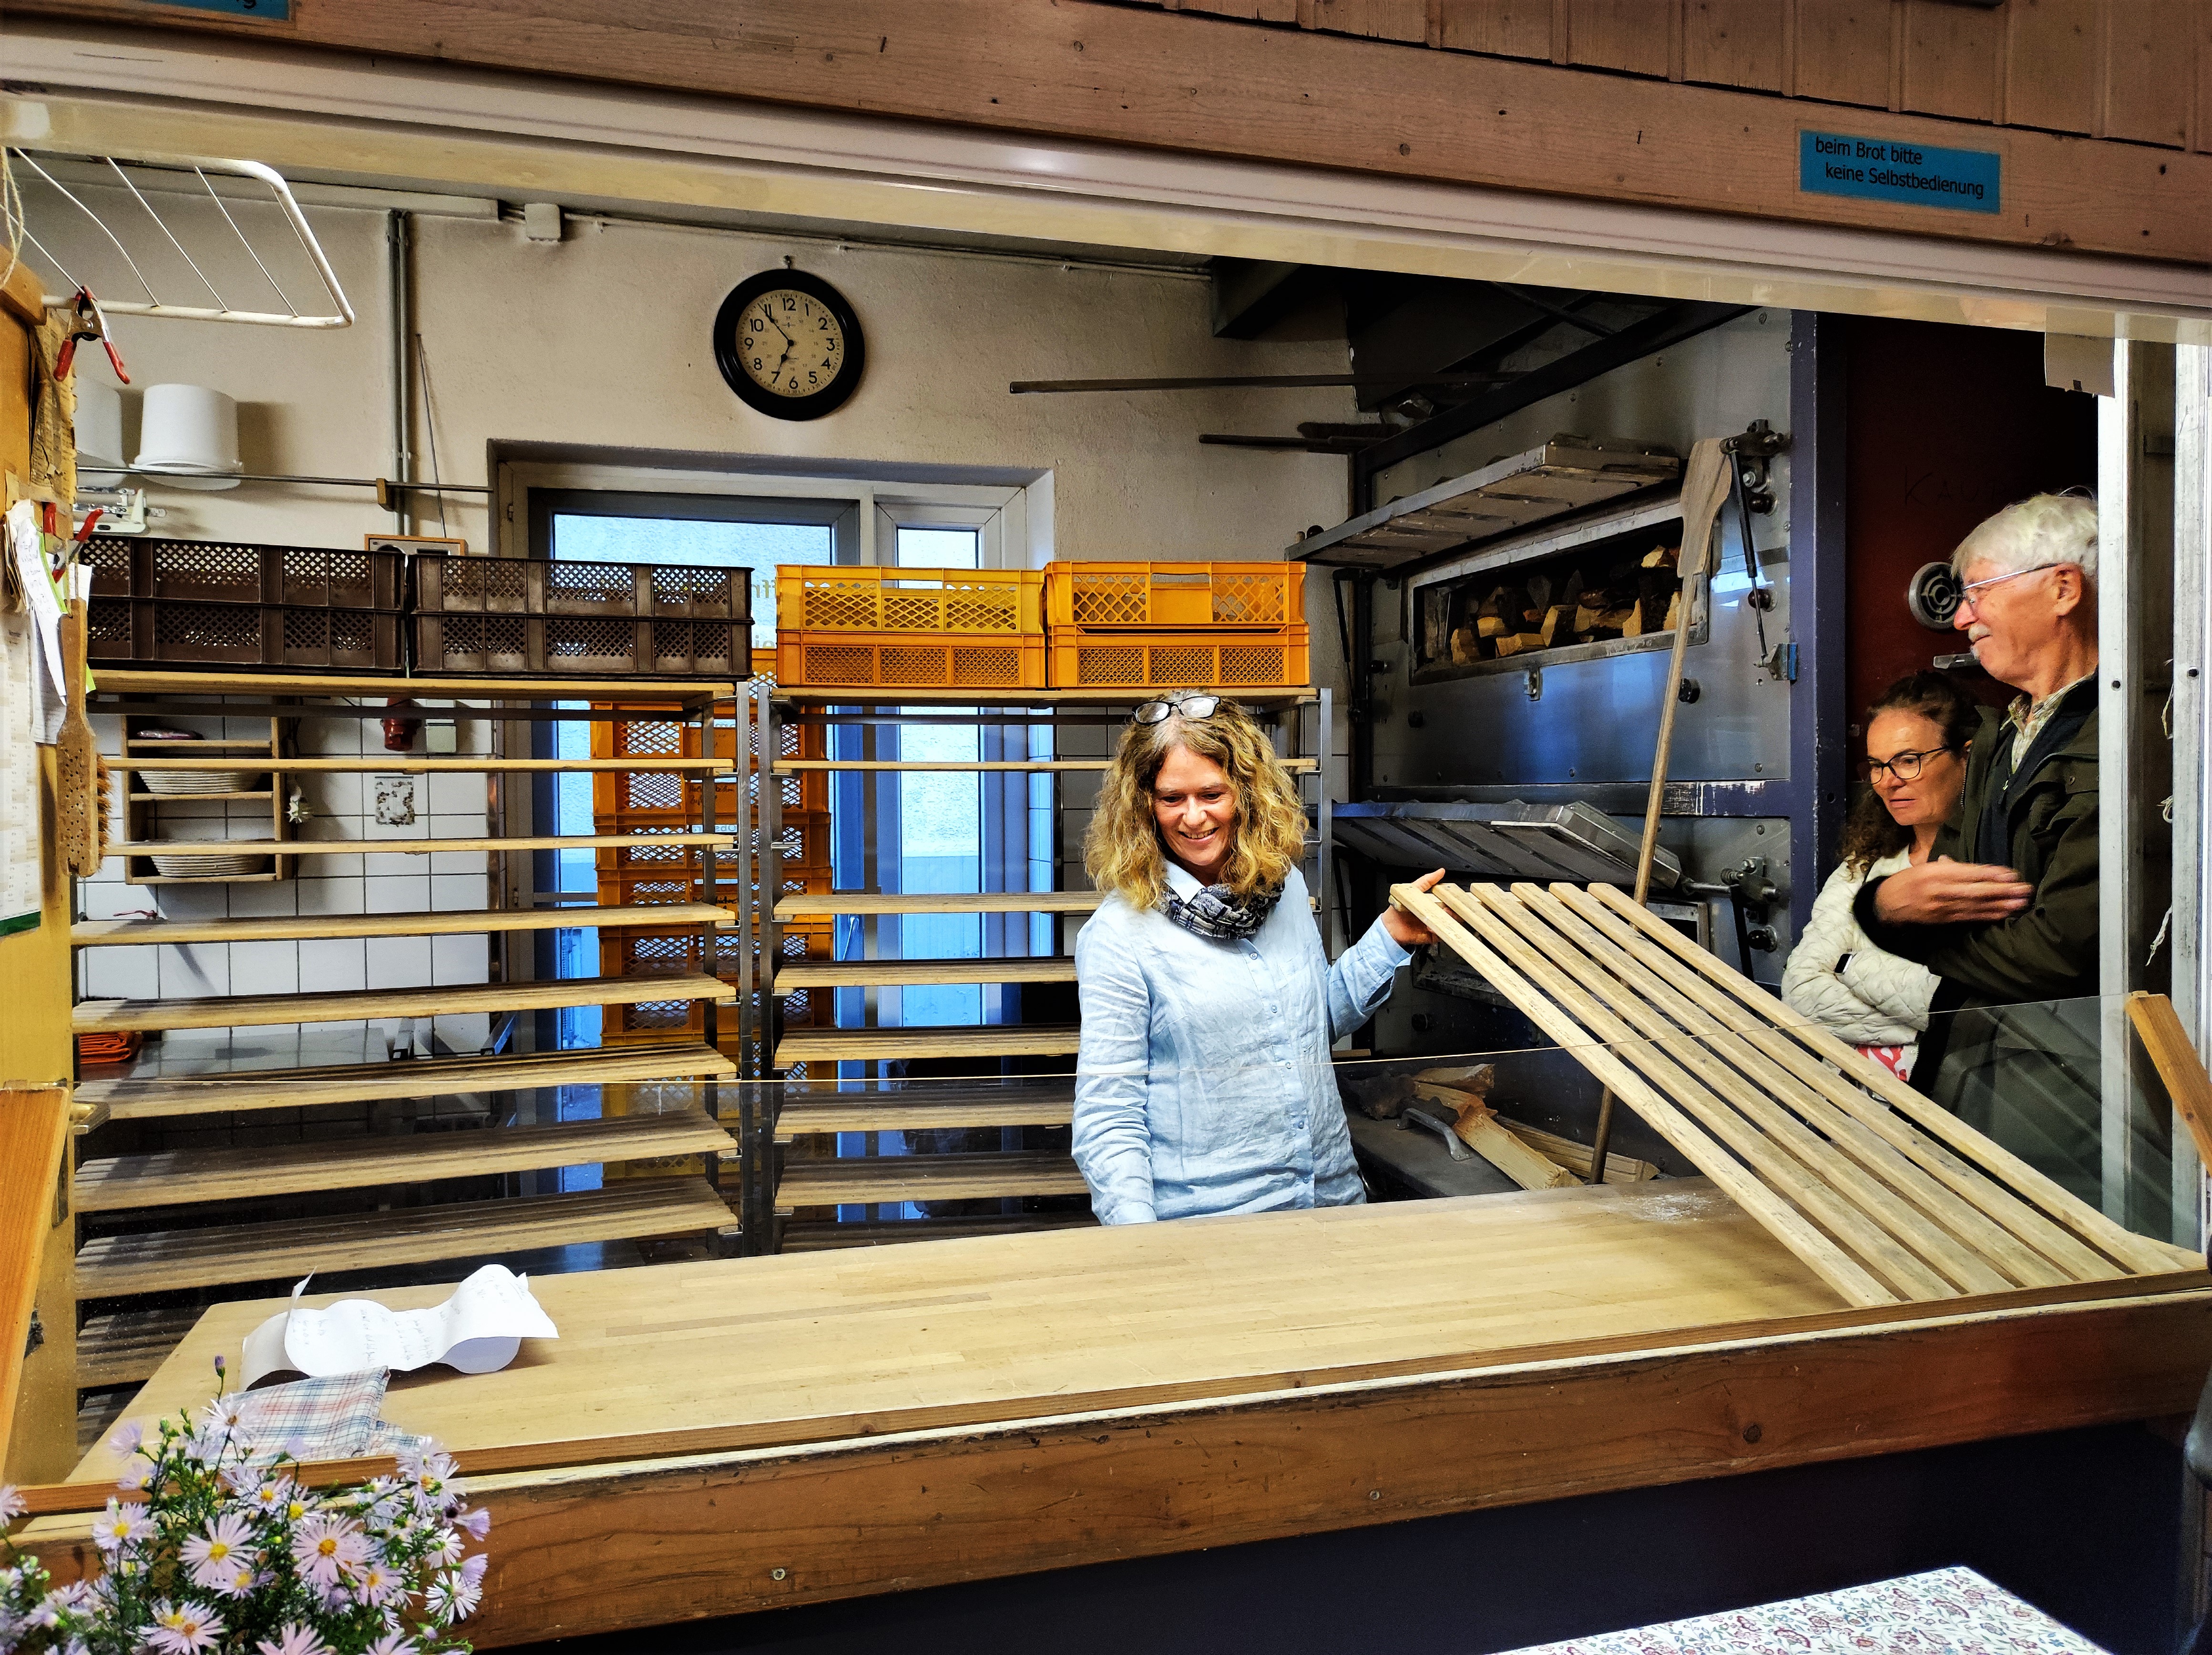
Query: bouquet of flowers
x,y
229,1552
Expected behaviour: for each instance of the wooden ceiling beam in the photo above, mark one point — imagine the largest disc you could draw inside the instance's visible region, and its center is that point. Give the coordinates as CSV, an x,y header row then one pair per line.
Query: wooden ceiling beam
x,y
1182,81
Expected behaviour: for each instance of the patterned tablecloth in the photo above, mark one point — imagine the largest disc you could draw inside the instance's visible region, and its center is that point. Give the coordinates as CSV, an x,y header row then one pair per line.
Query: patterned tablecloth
x,y
1946,1612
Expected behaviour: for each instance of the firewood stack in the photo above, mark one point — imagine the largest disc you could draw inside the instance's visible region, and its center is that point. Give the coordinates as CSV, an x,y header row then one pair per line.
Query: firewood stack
x,y
1623,599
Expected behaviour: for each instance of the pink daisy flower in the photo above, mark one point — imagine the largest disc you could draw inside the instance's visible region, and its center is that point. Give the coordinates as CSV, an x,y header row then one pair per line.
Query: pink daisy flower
x,y
127,1438
325,1545
184,1630
294,1640
475,1523
215,1557
374,1584
121,1527
11,1503
392,1642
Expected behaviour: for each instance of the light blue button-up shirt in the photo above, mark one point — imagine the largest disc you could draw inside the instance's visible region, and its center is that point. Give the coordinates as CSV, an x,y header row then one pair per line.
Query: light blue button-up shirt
x,y
1203,1084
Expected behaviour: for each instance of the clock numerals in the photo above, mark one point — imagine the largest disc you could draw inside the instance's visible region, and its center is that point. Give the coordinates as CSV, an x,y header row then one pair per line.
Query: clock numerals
x,y
785,344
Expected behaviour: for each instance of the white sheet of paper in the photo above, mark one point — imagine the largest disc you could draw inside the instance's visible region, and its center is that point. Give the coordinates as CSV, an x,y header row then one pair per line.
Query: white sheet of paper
x,y
25,544
477,1330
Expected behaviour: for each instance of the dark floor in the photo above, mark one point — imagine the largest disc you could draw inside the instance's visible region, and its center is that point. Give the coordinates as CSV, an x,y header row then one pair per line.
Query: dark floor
x,y
2084,1524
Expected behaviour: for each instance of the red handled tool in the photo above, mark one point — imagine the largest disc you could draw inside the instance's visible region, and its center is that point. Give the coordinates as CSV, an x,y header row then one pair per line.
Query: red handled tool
x,y
91,323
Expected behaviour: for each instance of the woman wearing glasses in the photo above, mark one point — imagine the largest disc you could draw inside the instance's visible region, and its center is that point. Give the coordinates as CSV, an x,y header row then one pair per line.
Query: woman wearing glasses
x,y
1917,736
1204,1084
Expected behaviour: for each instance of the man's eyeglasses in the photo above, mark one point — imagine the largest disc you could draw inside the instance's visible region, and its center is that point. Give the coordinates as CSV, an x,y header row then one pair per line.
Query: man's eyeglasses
x,y
1905,766
1189,707
1966,599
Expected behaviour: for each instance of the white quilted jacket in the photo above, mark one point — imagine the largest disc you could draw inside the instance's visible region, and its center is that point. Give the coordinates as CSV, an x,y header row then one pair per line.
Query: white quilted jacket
x,y
1878,999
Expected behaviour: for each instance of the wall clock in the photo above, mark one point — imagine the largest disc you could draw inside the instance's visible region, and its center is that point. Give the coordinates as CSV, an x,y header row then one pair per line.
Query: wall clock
x,y
789,344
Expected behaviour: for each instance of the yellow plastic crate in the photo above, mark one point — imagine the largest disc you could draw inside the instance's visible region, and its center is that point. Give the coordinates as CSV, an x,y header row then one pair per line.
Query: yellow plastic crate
x,y
813,597
947,661
1087,660
1153,596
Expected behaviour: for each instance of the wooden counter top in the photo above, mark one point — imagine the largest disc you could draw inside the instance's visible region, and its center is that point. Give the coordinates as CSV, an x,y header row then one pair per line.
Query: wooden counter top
x,y
718,1438
749,1353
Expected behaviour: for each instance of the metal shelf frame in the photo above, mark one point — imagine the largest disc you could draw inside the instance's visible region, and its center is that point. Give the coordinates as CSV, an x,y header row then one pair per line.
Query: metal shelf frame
x,y
1302,715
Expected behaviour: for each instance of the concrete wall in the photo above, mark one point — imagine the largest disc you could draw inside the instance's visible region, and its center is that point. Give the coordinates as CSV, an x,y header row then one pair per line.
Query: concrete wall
x,y
603,339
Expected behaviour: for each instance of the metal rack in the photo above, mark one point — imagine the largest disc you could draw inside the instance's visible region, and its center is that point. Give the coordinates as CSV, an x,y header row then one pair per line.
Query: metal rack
x,y
772,1113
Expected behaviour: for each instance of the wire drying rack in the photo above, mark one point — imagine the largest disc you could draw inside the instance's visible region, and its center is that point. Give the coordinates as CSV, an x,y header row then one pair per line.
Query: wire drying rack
x,y
59,185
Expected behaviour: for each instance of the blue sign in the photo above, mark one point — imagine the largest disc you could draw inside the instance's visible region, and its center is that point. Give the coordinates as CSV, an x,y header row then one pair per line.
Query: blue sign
x,y
1882,169
278,11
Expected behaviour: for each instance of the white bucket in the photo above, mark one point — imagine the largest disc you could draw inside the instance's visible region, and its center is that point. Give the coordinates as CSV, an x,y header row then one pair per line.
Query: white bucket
x,y
99,462
188,434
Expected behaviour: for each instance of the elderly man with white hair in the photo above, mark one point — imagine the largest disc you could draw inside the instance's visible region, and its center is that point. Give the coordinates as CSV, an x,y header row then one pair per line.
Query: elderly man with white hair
x,y
2004,911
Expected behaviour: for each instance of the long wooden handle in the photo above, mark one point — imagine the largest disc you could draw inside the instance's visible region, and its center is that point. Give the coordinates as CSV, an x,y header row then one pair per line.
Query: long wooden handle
x,y
77,771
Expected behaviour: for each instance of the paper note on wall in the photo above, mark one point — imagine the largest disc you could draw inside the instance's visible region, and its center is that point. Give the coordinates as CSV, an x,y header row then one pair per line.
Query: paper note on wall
x,y
477,1330
21,881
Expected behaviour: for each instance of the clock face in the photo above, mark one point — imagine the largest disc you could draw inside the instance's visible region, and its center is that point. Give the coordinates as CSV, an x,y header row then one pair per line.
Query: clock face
x,y
788,344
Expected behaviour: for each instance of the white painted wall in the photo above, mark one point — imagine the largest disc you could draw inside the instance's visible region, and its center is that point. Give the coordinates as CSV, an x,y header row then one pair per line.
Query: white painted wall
x,y
603,339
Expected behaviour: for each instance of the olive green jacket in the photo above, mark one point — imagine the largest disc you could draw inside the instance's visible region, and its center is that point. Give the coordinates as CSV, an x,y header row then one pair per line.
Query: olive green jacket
x,y
2049,950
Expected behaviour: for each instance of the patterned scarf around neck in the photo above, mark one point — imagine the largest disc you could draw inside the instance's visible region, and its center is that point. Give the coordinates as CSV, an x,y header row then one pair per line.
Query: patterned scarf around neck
x,y
1219,915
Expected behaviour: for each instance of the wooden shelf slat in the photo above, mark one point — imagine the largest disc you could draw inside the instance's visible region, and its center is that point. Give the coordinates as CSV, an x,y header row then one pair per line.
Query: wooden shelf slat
x,y
173,1096
186,1177
811,1045
400,764
925,1178
792,766
116,681
131,933
161,1261
823,1238
127,1346
914,973
931,1105
356,1005
795,904
853,695
407,846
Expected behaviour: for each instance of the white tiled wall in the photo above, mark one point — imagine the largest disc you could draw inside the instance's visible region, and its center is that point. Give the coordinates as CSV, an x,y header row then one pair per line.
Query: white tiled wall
x,y
450,806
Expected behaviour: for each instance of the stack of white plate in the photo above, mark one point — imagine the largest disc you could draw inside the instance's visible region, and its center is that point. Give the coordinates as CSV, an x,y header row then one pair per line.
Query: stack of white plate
x,y
204,865
175,784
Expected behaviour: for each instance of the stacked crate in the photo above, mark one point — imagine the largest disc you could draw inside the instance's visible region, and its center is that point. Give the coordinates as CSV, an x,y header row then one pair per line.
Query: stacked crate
x,y
646,802
896,629
1171,626
503,616
224,604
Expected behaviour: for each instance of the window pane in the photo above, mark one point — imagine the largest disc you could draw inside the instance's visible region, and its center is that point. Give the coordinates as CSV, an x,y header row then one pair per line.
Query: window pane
x,y
939,548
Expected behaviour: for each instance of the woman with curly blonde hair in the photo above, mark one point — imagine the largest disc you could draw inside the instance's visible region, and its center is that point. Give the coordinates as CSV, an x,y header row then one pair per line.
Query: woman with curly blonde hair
x,y
1203,1084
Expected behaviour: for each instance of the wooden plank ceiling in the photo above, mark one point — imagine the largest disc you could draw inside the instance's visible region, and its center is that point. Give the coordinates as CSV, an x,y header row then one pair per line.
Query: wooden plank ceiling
x,y
2138,70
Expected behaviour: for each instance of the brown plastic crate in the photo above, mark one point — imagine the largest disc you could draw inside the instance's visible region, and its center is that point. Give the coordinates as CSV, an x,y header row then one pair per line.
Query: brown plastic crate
x,y
573,644
542,586
174,631
237,572
1084,660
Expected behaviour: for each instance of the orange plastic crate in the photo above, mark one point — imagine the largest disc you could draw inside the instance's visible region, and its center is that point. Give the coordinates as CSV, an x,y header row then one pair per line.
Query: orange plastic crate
x,y
1153,596
1088,660
815,597
875,661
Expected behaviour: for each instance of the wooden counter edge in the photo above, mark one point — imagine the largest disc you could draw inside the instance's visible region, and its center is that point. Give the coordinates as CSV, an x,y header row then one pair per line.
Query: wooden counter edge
x,y
577,1549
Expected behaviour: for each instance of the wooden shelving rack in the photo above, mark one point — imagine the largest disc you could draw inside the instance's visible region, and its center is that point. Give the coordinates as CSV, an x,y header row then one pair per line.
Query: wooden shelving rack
x,y
778,1184
142,805
151,1254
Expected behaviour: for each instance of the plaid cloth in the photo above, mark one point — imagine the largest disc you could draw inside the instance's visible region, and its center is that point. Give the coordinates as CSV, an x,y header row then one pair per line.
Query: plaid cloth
x,y
1945,1612
2028,717
334,1417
